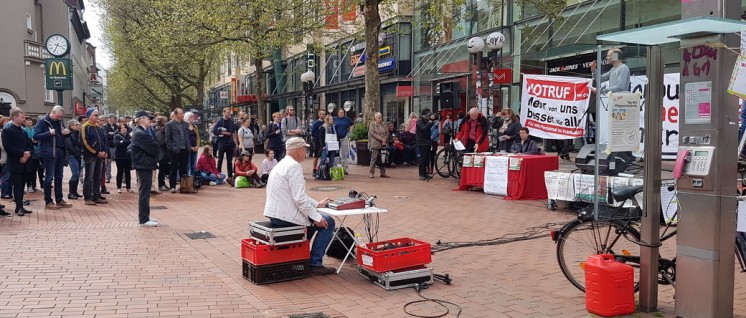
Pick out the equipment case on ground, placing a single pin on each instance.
(397, 279)
(264, 232)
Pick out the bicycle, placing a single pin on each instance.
(616, 232)
(604, 236)
(448, 161)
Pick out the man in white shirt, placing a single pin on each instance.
(288, 204)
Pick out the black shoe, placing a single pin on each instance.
(3, 213)
(6, 197)
(2, 206)
(423, 178)
(322, 270)
(72, 196)
(26, 202)
(22, 212)
(104, 191)
(100, 201)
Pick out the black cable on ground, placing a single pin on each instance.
(531, 233)
(440, 302)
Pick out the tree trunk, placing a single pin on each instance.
(372, 76)
(260, 107)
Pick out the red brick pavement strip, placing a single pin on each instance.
(93, 261)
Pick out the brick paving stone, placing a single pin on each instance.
(91, 261)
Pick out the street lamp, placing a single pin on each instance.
(475, 46)
(307, 79)
(495, 42)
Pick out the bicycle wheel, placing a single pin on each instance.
(442, 163)
(456, 163)
(579, 240)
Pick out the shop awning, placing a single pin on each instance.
(675, 31)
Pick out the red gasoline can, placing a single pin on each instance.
(609, 286)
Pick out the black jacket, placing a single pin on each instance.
(275, 139)
(50, 145)
(144, 150)
(15, 143)
(231, 127)
(160, 138)
(512, 131)
(72, 144)
(111, 130)
(121, 144)
(423, 132)
(175, 141)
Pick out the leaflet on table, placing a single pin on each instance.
(515, 163)
(496, 175)
(468, 161)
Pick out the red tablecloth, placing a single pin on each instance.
(525, 184)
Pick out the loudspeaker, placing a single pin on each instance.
(608, 164)
(449, 87)
(447, 100)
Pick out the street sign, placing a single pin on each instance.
(58, 72)
(97, 90)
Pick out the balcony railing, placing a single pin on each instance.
(35, 50)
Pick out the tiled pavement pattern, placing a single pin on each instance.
(93, 261)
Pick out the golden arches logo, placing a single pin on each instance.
(55, 68)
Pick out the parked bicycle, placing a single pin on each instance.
(448, 161)
(616, 232)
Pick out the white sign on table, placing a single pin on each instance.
(496, 175)
(624, 122)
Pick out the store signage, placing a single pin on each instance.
(92, 77)
(247, 98)
(503, 76)
(404, 91)
(580, 64)
(223, 94)
(58, 74)
(360, 58)
(234, 90)
(384, 65)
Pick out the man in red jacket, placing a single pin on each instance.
(473, 132)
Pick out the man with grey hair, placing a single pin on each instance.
(50, 134)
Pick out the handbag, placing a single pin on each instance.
(242, 182)
(332, 143)
(187, 185)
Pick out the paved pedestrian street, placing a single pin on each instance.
(94, 261)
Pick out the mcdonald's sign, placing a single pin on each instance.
(58, 73)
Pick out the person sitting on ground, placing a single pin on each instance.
(287, 203)
(245, 168)
(525, 145)
(207, 167)
(267, 164)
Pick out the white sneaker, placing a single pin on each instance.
(29, 190)
(150, 223)
(153, 220)
(119, 190)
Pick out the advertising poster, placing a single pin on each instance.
(554, 107)
(670, 133)
(624, 122)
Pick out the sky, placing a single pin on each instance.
(92, 15)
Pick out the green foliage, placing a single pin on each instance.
(359, 132)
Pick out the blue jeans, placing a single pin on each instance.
(74, 164)
(54, 167)
(328, 154)
(218, 179)
(318, 248)
(192, 163)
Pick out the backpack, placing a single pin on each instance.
(447, 129)
(323, 173)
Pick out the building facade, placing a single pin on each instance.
(26, 25)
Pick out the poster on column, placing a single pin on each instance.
(553, 107)
(624, 122)
(670, 114)
(496, 175)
